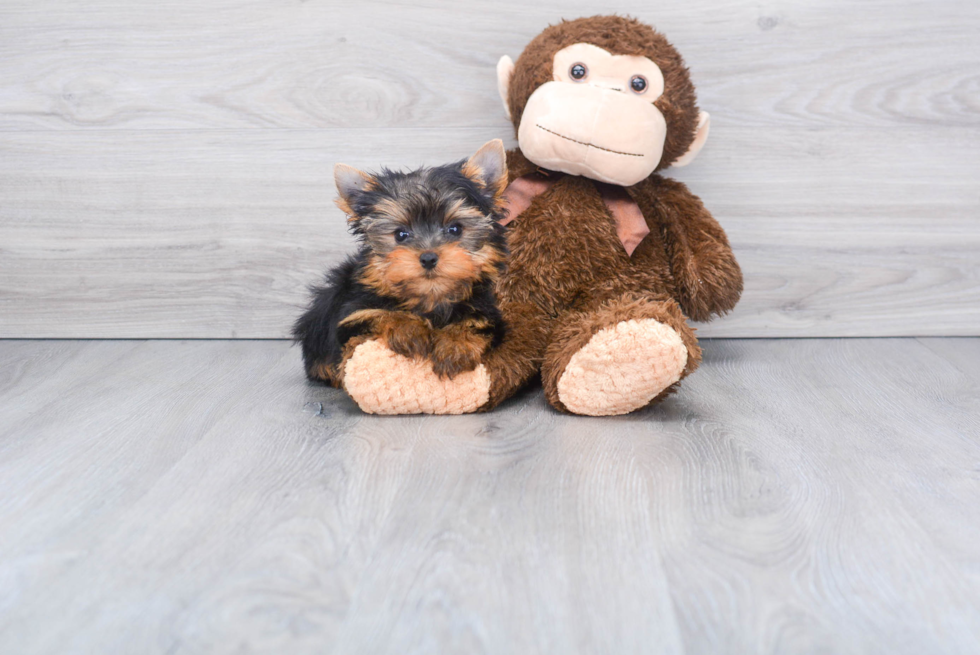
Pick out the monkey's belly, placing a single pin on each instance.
(562, 246)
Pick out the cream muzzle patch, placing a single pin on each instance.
(597, 117)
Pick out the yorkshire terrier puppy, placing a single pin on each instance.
(431, 250)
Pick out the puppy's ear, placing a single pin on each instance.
(488, 168)
(350, 183)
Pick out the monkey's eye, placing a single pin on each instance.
(454, 230)
(401, 236)
(578, 71)
(638, 83)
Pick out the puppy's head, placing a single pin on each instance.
(431, 233)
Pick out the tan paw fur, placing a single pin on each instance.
(622, 368)
(383, 382)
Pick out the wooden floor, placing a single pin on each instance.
(797, 496)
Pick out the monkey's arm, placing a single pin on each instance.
(708, 279)
(519, 355)
(518, 165)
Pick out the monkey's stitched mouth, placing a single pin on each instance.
(589, 145)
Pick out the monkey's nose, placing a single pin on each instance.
(428, 260)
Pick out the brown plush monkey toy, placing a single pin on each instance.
(609, 259)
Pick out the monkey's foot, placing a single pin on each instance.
(622, 368)
(383, 382)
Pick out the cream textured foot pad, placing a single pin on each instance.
(383, 382)
(622, 368)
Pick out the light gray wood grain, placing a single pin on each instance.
(216, 234)
(164, 168)
(963, 354)
(796, 496)
(229, 64)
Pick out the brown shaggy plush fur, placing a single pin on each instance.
(578, 327)
(569, 276)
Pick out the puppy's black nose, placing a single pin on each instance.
(428, 260)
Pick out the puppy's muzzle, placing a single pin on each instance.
(428, 260)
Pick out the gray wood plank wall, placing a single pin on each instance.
(165, 167)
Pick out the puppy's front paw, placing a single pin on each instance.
(456, 351)
(406, 334)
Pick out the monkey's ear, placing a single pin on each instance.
(350, 182)
(700, 136)
(505, 69)
(488, 167)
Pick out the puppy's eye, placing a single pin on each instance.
(638, 83)
(578, 72)
(401, 236)
(454, 230)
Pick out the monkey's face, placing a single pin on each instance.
(597, 118)
(610, 117)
